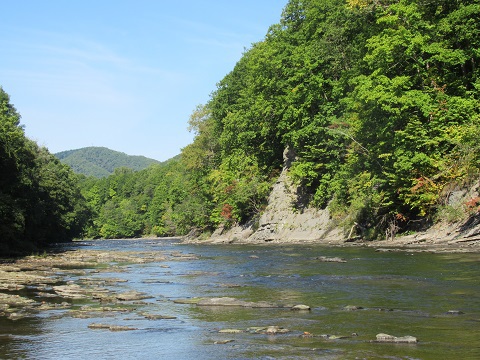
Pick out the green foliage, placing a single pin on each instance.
(378, 99)
(40, 202)
(240, 188)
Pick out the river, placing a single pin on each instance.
(433, 297)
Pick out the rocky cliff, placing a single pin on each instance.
(284, 221)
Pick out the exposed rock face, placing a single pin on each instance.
(282, 220)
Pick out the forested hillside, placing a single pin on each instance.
(378, 99)
(377, 102)
(100, 161)
(40, 202)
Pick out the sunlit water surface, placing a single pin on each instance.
(400, 293)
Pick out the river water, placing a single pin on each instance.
(398, 293)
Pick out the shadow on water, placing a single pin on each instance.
(395, 293)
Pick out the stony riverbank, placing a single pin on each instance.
(35, 284)
(454, 238)
(40, 284)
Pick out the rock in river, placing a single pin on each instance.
(300, 307)
(132, 295)
(393, 339)
(111, 327)
(229, 301)
(330, 259)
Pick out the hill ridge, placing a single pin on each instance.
(99, 161)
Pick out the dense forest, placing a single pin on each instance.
(40, 201)
(377, 99)
(100, 161)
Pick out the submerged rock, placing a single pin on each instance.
(158, 317)
(16, 316)
(394, 339)
(273, 330)
(15, 300)
(111, 327)
(300, 307)
(132, 295)
(229, 301)
(331, 259)
(195, 300)
(454, 312)
(121, 328)
(230, 331)
(71, 291)
(222, 342)
(98, 326)
(334, 337)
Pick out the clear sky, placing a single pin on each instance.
(124, 74)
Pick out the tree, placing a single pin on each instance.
(40, 202)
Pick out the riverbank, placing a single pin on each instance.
(282, 222)
(443, 237)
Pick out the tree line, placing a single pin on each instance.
(378, 99)
(40, 201)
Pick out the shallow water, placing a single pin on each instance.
(400, 293)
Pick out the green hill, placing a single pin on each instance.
(100, 161)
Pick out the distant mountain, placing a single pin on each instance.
(100, 161)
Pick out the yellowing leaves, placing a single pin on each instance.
(358, 3)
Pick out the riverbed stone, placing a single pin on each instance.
(15, 300)
(110, 327)
(222, 342)
(188, 301)
(330, 259)
(14, 316)
(229, 301)
(132, 295)
(71, 291)
(454, 312)
(12, 281)
(121, 328)
(157, 316)
(273, 330)
(231, 331)
(394, 339)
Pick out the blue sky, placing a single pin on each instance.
(124, 74)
